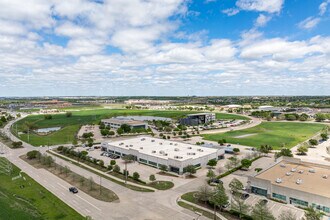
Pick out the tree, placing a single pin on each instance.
(212, 163)
(284, 152)
(116, 169)
(210, 174)
(152, 177)
(203, 194)
(320, 117)
(303, 117)
(246, 163)
(218, 198)
(324, 136)
(265, 149)
(163, 168)
(101, 163)
(312, 142)
(126, 128)
(32, 154)
(236, 150)
(238, 204)
(312, 214)
(3, 119)
(287, 215)
(81, 180)
(261, 212)
(128, 158)
(190, 169)
(113, 162)
(236, 186)
(136, 175)
(17, 144)
(111, 133)
(90, 183)
(90, 142)
(302, 150)
(221, 142)
(234, 161)
(66, 170)
(105, 132)
(120, 131)
(68, 114)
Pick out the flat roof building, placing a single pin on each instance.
(116, 123)
(156, 152)
(296, 182)
(197, 119)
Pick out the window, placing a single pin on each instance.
(152, 163)
(298, 202)
(321, 208)
(143, 160)
(259, 191)
(279, 196)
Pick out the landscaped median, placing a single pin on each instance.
(88, 186)
(117, 177)
(134, 187)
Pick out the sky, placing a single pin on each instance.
(164, 48)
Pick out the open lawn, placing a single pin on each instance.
(272, 133)
(26, 199)
(70, 125)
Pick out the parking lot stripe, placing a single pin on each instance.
(61, 186)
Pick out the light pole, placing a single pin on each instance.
(100, 184)
(125, 172)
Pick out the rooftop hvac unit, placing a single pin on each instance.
(175, 144)
(152, 140)
(131, 145)
(191, 153)
(143, 139)
(178, 157)
(161, 152)
(153, 151)
(325, 176)
(283, 165)
(288, 174)
(299, 181)
(301, 171)
(165, 154)
(189, 147)
(171, 143)
(293, 170)
(126, 146)
(141, 148)
(176, 149)
(311, 170)
(278, 180)
(121, 143)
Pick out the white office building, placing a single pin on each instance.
(155, 152)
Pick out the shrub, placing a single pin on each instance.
(17, 144)
(152, 177)
(33, 154)
(136, 175)
(112, 162)
(116, 169)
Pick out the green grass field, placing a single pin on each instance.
(32, 202)
(71, 125)
(273, 133)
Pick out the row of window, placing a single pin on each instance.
(321, 208)
(298, 202)
(279, 196)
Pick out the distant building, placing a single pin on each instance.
(156, 152)
(296, 182)
(197, 119)
(116, 123)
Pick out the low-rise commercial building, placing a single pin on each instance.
(116, 123)
(156, 152)
(197, 119)
(295, 182)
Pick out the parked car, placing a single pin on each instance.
(244, 196)
(226, 205)
(74, 190)
(215, 180)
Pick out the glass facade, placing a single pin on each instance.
(152, 163)
(279, 196)
(143, 160)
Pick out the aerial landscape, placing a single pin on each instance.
(173, 109)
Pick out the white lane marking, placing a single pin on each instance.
(88, 211)
(74, 201)
(88, 202)
(61, 185)
(63, 194)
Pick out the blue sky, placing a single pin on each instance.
(170, 47)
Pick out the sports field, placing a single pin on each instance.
(70, 125)
(275, 134)
(26, 199)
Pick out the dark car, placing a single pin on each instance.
(245, 196)
(74, 190)
(215, 180)
(225, 206)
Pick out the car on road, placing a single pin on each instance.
(74, 190)
(225, 206)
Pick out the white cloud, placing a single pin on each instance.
(262, 20)
(270, 6)
(230, 11)
(309, 23)
(323, 7)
